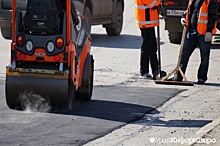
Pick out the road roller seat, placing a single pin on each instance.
(43, 16)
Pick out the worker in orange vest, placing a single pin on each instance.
(147, 17)
(200, 18)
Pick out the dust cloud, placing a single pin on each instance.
(31, 102)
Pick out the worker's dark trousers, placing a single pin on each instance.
(148, 51)
(189, 46)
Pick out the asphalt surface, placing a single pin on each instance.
(111, 107)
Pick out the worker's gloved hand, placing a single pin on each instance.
(208, 36)
(183, 21)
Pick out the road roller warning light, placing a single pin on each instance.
(59, 42)
(50, 57)
(19, 41)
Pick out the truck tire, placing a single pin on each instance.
(88, 15)
(175, 36)
(118, 21)
(6, 32)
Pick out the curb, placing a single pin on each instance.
(204, 130)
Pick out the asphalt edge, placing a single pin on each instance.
(203, 131)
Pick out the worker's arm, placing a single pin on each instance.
(152, 3)
(157, 3)
(212, 15)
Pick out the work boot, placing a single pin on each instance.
(146, 76)
(163, 74)
(201, 81)
(156, 75)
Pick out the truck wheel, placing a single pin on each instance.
(88, 15)
(175, 37)
(118, 22)
(6, 32)
(87, 79)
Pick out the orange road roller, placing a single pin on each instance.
(50, 55)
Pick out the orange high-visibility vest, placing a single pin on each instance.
(203, 18)
(145, 15)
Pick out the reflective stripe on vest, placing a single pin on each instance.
(142, 7)
(203, 14)
(203, 21)
(148, 22)
(146, 7)
(153, 3)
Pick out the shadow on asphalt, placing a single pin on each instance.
(109, 110)
(122, 103)
(122, 41)
(212, 84)
(175, 123)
